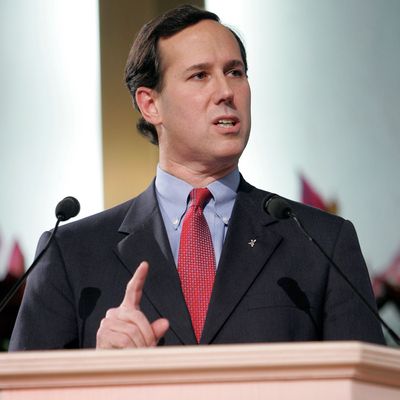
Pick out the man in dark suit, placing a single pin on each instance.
(187, 76)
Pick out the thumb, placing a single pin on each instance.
(160, 327)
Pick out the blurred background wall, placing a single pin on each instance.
(50, 126)
(326, 111)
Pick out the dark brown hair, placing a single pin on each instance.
(143, 67)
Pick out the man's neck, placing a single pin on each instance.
(197, 176)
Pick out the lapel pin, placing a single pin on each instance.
(252, 242)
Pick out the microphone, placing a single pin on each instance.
(67, 208)
(279, 208)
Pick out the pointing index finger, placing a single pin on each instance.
(134, 288)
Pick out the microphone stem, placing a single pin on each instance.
(23, 278)
(394, 336)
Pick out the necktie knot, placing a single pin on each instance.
(200, 196)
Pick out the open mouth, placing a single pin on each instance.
(226, 123)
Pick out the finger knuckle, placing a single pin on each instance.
(124, 341)
(111, 312)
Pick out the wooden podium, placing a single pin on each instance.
(320, 370)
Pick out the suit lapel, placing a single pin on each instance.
(248, 246)
(147, 240)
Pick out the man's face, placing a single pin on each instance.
(204, 103)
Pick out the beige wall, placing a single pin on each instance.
(129, 160)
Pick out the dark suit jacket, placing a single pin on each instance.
(281, 289)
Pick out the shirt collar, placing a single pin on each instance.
(224, 193)
(173, 193)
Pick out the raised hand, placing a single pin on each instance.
(126, 326)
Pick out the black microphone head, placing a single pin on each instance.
(277, 207)
(67, 208)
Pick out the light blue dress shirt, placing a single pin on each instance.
(173, 198)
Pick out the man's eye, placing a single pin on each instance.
(199, 75)
(236, 72)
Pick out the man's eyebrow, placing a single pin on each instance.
(205, 66)
(196, 67)
(234, 63)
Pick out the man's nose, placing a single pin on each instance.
(223, 90)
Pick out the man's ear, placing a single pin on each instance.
(146, 100)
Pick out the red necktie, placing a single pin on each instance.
(196, 260)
